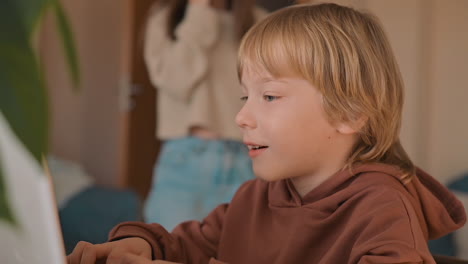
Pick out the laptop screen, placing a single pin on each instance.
(35, 237)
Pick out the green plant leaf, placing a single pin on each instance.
(22, 93)
(67, 42)
(23, 96)
(6, 213)
(33, 11)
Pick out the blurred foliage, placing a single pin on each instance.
(23, 94)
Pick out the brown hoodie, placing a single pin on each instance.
(368, 216)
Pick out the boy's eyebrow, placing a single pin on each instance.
(272, 79)
(267, 80)
(264, 80)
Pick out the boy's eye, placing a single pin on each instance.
(270, 98)
(244, 98)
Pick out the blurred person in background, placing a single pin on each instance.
(191, 53)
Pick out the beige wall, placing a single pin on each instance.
(86, 124)
(448, 79)
(429, 38)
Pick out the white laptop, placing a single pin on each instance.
(36, 238)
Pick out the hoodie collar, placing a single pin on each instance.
(283, 193)
(439, 211)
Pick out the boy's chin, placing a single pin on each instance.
(268, 176)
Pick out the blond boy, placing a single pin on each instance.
(322, 113)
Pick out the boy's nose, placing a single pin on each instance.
(244, 118)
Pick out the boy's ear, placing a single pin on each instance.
(352, 127)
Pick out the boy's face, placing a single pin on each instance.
(285, 128)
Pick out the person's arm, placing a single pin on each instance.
(192, 241)
(176, 66)
(391, 232)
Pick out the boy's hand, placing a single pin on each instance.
(134, 259)
(109, 253)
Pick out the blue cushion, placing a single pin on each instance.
(446, 245)
(460, 184)
(443, 246)
(92, 213)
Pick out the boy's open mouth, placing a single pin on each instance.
(256, 150)
(256, 147)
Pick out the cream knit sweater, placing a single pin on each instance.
(195, 75)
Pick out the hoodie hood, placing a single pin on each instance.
(438, 211)
(441, 211)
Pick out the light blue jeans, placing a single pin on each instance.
(193, 176)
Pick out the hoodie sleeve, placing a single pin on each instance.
(176, 66)
(190, 242)
(389, 231)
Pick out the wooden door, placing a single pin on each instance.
(140, 146)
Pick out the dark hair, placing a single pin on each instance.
(242, 10)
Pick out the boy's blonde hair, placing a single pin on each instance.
(346, 55)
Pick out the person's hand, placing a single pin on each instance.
(111, 252)
(202, 2)
(134, 259)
